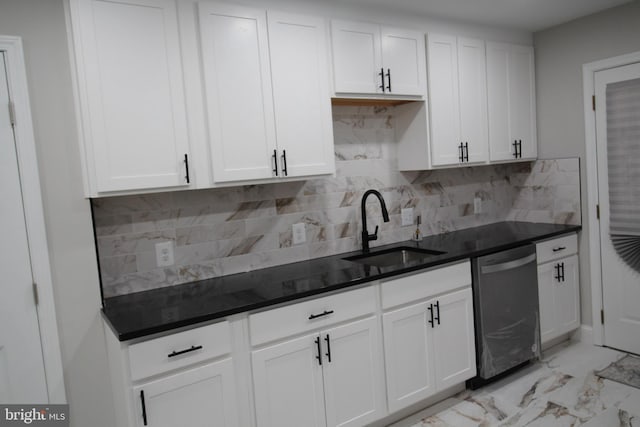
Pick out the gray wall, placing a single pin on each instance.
(41, 24)
(560, 53)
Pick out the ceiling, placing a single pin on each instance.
(527, 15)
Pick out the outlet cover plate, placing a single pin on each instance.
(164, 254)
(477, 205)
(299, 233)
(407, 216)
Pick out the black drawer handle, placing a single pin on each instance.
(559, 248)
(325, 313)
(144, 408)
(189, 350)
(430, 321)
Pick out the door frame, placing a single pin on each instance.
(11, 46)
(593, 223)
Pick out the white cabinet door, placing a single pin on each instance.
(353, 374)
(511, 101)
(444, 100)
(408, 350)
(568, 294)
(547, 300)
(200, 397)
(288, 387)
(302, 99)
(131, 94)
(403, 61)
(357, 60)
(235, 56)
(453, 338)
(472, 87)
(558, 283)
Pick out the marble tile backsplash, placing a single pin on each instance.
(230, 230)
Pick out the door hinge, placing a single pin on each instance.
(598, 211)
(593, 102)
(36, 298)
(12, 113)
(602, 316)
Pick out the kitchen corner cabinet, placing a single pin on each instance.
(267, 93)
(458, 100)
(330, 377)
(369, 59)
(558, 286)
(429, 345)
(511, 102)
(130, 91)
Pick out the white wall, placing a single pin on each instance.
(560, 53)
(41, 24)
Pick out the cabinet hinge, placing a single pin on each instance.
(598, 211)
(12, 113)
(36, 298)
(602, 316)
(593, 102)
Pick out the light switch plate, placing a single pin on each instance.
(164, 254)
(477, 205)
(299, 233)
(407, 216)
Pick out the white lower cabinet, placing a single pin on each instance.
(329, 378)
(429, 346)
(199, 397)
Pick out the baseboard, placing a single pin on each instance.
(583, 334)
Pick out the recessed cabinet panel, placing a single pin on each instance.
(237, 79)
(131, 94)
(498, 102)
(300, 76)
(403, 61)
(521, 87)
(356, 57)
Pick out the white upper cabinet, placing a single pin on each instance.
(131, 98)
(372, 59)
(458, 100)
(511, 96)
(267, 93)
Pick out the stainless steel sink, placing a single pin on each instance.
(394, 256)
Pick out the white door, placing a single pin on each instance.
(287, 379)
(133, 98)
(403, 61)
(352, 371)
(302, 100)
(22, 376)
(453, 338)
(617, 114)
(237, 77)
(444, 100)
(472, 86)
(357, 61)
(200, 397)
(408, 350)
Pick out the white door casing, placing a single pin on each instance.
(37, 352)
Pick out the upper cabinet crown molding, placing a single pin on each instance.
(369, 59)
(131, 98)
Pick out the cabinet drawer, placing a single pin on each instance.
(309, 315)
(557, 248)
(178, 350)
(425, 284)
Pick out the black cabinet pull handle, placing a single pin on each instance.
(557, 274)
(275, 162)
(381, 74)
(144, 408)
(284, 162)
(466, 151)
(328, 353)
(460, 153)
(186, 168)
(324, 313)
(189, 350)
(515, 148)
(430, 321)
(319, 356)
(520, 148)
(389, 79)
(562, 271)
(559, 248)
(438, 309)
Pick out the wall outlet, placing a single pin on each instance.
(164, 254)
(299, 233)
(407, 216)
(477, 205)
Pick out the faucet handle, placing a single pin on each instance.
(374, 236)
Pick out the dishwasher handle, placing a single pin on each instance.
(509, 265)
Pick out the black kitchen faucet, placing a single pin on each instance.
(366, 237)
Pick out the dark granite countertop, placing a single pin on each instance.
(144, 313)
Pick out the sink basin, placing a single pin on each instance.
(394, 256)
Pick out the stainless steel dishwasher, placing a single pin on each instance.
(506, 312)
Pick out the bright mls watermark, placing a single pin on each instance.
(34, 415)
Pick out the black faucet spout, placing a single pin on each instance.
(366, 237)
